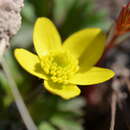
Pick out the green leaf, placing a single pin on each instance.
(24, 33)
(42, 7)
(43, 107)
(28, 12)
(61, 7)
(7, 97)
(64, 123)
(73, 105)
(46, 126)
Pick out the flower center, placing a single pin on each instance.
(59, 66)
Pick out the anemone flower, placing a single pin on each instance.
(64, 66)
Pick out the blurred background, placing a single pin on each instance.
(48, 111)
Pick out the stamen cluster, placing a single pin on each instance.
(59, 66)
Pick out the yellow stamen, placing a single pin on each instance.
(59, 66)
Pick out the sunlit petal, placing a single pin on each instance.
(93, 76)
(45, 36)
(30, 62)
(87, 45)
(65, 91)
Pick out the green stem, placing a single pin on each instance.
(18, 98)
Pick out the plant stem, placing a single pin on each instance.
(18, 98)
(111, 43)
(113, 110)
(109, 46)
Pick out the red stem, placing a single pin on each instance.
(109, 46)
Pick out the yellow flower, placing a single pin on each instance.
(62, 66)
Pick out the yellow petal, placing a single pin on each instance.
(29, 62)
(93, 76)
(45, 36)
(65, 91)
(87, 45)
